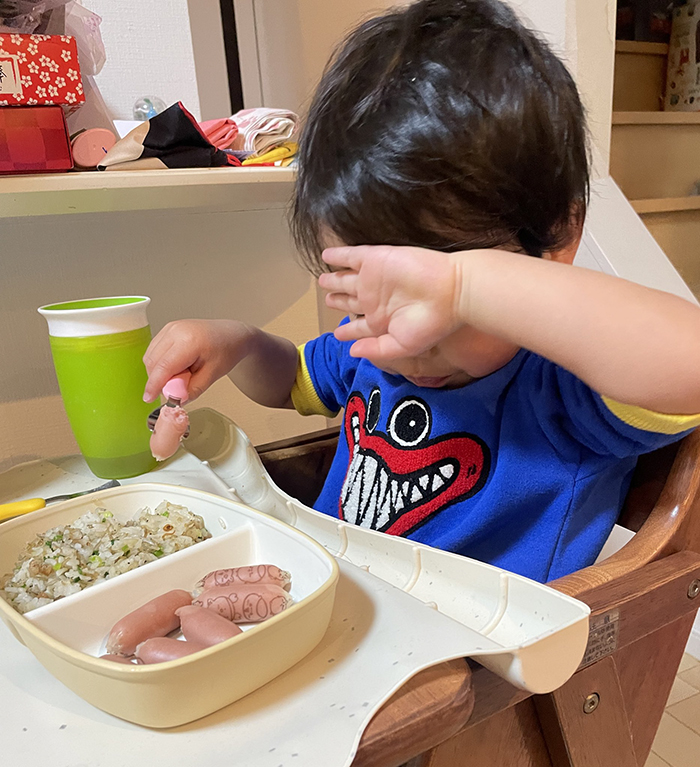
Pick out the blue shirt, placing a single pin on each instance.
(526, 469)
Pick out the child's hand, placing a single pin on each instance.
(409, 298)
(209, 349)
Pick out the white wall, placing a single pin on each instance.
(149, 53)
(285, 44)
(191, 264)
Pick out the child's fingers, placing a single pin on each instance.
(344, 303)
(379, 348)
(162, 370)
(344, 281)
(347, 257)
(353, 330)
(159, 346)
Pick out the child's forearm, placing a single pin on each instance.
(267, 372)
(634, 344)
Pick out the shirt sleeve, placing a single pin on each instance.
(325, 374)
(567, 408)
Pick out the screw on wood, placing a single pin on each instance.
(694, 589)
(591, 703)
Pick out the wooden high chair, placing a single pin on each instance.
(643, 601)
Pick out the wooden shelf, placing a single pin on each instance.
(214, 189)
(649, 49)
(666, 205)
(656, 118)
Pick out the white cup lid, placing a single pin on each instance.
(96, 316)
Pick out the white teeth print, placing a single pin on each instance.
(368, 472)
(368, 514)
(394, 490)
(356, 429)
(383, 486)
(384, 513)
(351, 504)
(352, 475)
(371, 497)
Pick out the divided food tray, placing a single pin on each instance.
(533, 636)
(68, 635)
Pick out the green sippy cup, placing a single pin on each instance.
(98, 346)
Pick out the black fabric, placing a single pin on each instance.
(175, 138)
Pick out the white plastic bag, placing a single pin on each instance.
(84, 26)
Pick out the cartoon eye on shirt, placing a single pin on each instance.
(396, 481)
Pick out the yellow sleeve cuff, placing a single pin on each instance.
(304, 396)
(648, 420)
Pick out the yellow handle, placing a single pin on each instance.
(8, 510)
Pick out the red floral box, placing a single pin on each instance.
(39, 69)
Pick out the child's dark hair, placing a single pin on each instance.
(445, 124)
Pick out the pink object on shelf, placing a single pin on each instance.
(90, 147)
(262, 128)
(221, 133)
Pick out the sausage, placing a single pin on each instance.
(249, 574)
(205, 627)
(119, 659)
(154, 619)
(163, 649)
(168, 432)
(248, 603)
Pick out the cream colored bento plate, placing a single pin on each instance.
(67, 636)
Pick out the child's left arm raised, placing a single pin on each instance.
(631, 343)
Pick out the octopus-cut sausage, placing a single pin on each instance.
(249, 574)
(245, 603)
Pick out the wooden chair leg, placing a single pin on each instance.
(511, 738)
(585, 722)
(646, 685)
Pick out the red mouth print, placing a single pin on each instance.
(396, 482)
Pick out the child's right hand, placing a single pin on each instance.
(209, 349)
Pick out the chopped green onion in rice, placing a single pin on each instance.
(94, 548)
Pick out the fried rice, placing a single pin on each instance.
(95, 548)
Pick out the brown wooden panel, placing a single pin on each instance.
(640, 80)
(427, 710)
(678, 235)
(650, 598)
(492, 694)
(300, 466)
(647, 670)
(655, 160)
(510, 739)
(578, 739)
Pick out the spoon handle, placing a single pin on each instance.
(17, 508)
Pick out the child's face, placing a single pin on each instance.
(464, 356)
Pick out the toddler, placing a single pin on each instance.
(495, 398)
